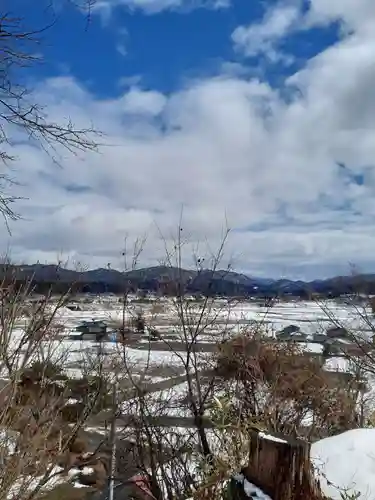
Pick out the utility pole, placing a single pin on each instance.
(112, 439)
(112, 430)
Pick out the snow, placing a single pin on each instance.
(29, 483)
(98, 430)
(343, 463)
(73, 472)
(166, 402)
(348, 462)
(8, 441)
(71, 401)
(79, 485)
(268, 437)
(87, 471)
(311, 317)
(337, 364)
(311, 347)
(250, 489)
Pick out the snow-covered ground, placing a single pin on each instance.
(346, 463)
(311, 317)
(343, 464)
(221, 319)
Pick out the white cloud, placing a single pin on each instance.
(105, 7)
(139, 102)
(222, 147)
(121, 49)
(263, 37)
(130, 81)
(122, 41)
(353, 15)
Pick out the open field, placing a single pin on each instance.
(222, 319)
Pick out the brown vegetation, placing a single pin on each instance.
(285, 389)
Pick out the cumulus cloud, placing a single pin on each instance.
(263, 37)
(352, 15)
(140, 102)
(295, 179)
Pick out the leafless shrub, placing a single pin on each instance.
(37, 393)
(354, 347)
(283, 389)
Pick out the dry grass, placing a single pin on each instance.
(281, 386)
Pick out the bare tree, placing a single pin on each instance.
(165, 455)
(20, 112)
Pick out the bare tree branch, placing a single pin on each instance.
(20, 112)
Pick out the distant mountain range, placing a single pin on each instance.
(170, 280)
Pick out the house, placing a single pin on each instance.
(291, 333)
(319, 337)
(73, 307)
(92, 330)
(333, 347)
(338, 332)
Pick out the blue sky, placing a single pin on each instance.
(163, 49)
(255, 114)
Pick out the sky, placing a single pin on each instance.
(252, 116)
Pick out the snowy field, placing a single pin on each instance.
(220, 320)
(153, 363)
(311, 317)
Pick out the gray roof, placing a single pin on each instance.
(96, 322)
(290, 329)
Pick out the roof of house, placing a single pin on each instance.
(337, 331)
(94, 322)
(291, 331)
